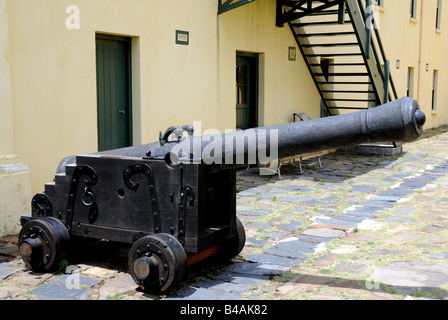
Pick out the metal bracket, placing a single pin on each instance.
(186, 196)
(41, 205)
(145, 169)
(79, 172)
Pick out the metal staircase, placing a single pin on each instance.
(342, 50)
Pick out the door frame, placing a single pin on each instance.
(129, 117)
(256, 86)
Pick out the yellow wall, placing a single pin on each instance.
(6, 125)
(416, 42)
(53, 71)
(15, 180)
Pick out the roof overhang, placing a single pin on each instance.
(226, 5)
(289, 10)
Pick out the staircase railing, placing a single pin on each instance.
(374, 54)
(368, 37)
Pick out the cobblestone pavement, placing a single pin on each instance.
(361, 227)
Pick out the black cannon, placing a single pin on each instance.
(174, 201)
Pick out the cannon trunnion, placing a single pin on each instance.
(174, 214)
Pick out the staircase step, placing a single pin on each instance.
(339, 64)
(343, 44)
(327, 13)
(347, 91)
(343, 74)
(351, 100)
(326, 34)
(315, 23)
(333, 54)
(348, 108)
(343, 82)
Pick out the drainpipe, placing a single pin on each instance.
(420, 53)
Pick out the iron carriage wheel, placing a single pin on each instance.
(157, 263)
(43, 242)
(232, 247)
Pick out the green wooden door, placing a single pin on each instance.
(246, 92)
(113, 92)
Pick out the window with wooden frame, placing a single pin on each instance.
(438, 14)
(380, 3)
(435, 84)
(413, 9)
(410, 83)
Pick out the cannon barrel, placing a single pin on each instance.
(397, 121)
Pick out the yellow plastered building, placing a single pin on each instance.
(414, 38)
(78, 76)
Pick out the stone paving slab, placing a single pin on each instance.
(191, 293)
(31, 279)
(60, 292)
(116, 286)
(272, 259)
(7, 270)
(407, 277)
(260, 269)
(75, 280)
